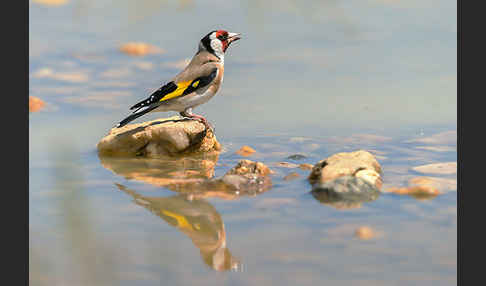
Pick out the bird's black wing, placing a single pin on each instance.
(156, 96)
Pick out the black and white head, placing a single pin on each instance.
(216, 42)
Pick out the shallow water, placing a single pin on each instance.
(309, 77)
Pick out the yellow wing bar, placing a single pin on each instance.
(181, 86)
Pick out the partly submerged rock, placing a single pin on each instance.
(424, 188)
(418, 192)
(161, 137)
(345, 180)
(360, 164)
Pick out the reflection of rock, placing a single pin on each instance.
(345, 192)
(170, 136)
(345, 180)
(197, 219)
(246, 178)
(163, 171)
(35, 104)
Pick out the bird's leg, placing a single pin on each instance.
(188, 114)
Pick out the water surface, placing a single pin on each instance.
(308, 77)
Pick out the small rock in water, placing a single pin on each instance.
(441, 184)
(291, 176)
(365, 233)
(296, 157)
(306, 166)
(347, 164)
(139, 49)
(423, 188)
(161, 137)
(418, 192)
(437, 168)
(35, 104)
(345, 180)
(245, 151)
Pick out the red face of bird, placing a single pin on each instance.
(218, 41)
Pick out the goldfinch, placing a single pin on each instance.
(193, 86)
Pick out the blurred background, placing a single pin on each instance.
(303, 71)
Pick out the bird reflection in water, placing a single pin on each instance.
(197, 219)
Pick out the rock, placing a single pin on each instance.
(423, 188)
(250, 168)
(35, 104)
(345, 180)
(347, 164)
(370, 176)
(139, 49)
(291, 176)
(365, 233)
(441, 184)
(437, 168)
(296, 157)
(418, 192)
(161, 137)
(306, 166)
(245, 151)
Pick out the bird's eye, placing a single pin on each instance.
(222, 37)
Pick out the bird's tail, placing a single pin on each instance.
(135, 115)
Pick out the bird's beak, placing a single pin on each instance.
(233, 37)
